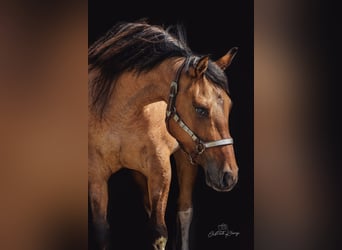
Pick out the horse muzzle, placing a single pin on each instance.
(223, 182)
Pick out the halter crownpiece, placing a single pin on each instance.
(171, 112)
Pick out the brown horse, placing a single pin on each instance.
(150, 97)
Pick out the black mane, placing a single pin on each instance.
(137, 47)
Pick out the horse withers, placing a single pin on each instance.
(150, 97)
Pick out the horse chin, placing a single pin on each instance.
(217, 187)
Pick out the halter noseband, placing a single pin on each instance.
(171, 112)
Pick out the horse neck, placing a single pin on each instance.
(134, 91)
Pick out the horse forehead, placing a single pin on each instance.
(208, 90)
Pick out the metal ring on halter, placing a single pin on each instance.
(200, 148)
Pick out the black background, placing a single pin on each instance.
(212, 28)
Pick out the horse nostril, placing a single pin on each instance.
(227, 180)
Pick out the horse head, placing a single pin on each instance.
(200, 119)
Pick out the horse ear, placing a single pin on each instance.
(225, 60)
(199, 69)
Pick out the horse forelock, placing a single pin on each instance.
(217, 76)
(214, 73)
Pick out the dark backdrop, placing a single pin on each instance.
(212, 28)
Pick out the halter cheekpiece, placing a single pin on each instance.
(171, 113)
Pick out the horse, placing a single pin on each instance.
(150, 98)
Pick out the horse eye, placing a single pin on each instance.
(203, 112)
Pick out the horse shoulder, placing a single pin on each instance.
(158, 132)
(103, 145)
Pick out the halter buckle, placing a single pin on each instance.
(174, 87)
